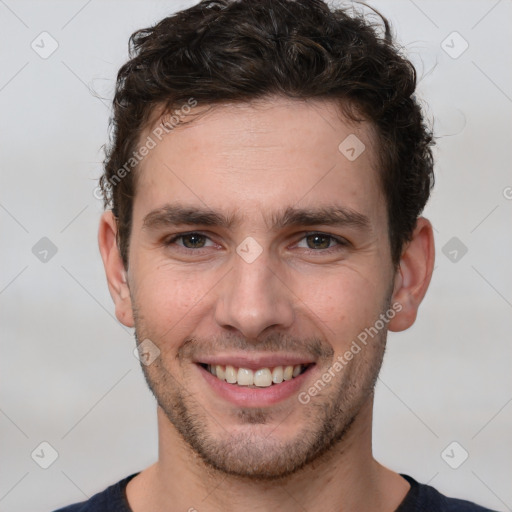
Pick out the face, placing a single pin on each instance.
(259, 254)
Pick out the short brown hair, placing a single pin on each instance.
(240, 50)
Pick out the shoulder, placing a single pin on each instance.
(424, 498)
(112, 499)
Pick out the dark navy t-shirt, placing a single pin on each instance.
(420, 498)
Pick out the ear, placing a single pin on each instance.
(413, 276)
(114, 268)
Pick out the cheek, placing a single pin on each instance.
(344, 305)
(170, 302)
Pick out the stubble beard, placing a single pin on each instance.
(327, 418)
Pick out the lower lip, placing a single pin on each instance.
(243, 396)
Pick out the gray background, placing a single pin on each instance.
(68, 375)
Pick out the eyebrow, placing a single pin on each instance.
(175, 214)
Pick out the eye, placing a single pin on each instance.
(191, 241)
(321, 241)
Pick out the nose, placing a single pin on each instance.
(253, 298)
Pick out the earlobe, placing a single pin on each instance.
(413, 276)
(114, 269)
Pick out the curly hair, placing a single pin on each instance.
(222, 51)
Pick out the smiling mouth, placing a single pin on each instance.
(260, 378)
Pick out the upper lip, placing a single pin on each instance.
(256, 361)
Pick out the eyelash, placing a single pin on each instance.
(340, 242)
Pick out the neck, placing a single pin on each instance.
(347, 478)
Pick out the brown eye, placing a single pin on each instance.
(190, 241)
(193, 241)
(319, 241)
(322, 242)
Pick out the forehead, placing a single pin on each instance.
(261, 157)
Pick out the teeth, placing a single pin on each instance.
(263, 378)
(277, 375)
(220, 372)
(245, 377)
(231, 374)
(288, 373)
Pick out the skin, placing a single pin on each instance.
(252, 161)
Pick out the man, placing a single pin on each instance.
(266, 176)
